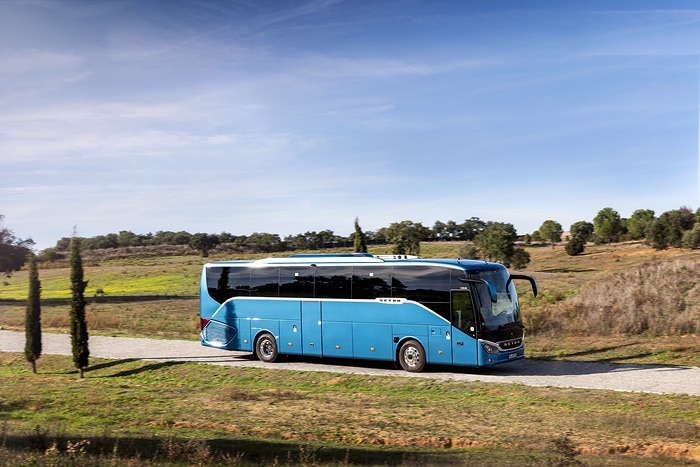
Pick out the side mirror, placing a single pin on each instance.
(527, 278)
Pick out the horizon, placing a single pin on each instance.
(287, 117)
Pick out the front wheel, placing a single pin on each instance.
(266, 348)
(412, 356)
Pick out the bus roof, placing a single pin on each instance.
(347, 259)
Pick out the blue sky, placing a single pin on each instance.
(289, 116)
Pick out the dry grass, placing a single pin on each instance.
(625, 290)
(656, 299)
(266, 412)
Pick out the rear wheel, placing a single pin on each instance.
(412, 356)
(266, 348)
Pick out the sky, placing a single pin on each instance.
(293, 116)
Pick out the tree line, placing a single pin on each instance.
(678, 228)
(270, 242)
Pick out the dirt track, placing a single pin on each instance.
(636, 378)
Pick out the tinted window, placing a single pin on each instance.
(297, 281)
(333, 281)
(225, 282)
(264, 281)
(428, 285)
(217, 283)
(370, 282)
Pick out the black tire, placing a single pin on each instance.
(412, 356)
(266, 348)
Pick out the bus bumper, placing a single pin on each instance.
(489, 359)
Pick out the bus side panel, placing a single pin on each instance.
(372, 341)
(337, 339)
(275, 316)
(311, 328)
(336, 330)
(411, 330)
(265, 325)
(246, 340)
(290, 337)
(268, 309)
(440, 345)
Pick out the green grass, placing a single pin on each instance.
(166, 276)
(259, 417)
(151, 413)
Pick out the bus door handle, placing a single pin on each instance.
(460, 343)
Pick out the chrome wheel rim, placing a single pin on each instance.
(266, 349)
(411, 356)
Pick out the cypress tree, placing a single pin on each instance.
(360, 238)
(32, 318)
(78, 325)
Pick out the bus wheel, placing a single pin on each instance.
(266, 348)
(412, 356)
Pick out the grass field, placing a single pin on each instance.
(169, 412)
(146, 413)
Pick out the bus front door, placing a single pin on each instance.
(311, 328)
(464, 343)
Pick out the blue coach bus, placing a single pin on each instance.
(396, 308)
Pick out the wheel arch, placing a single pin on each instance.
(402, 340)
(260, 332)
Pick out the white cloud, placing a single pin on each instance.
(16, 62)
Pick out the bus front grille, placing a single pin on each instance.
(511, 344)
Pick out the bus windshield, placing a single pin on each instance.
(506, 309)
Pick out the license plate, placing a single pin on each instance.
(512, 356)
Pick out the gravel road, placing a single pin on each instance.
(616, 377)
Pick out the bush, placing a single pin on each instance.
(521, 258)
(691, 238)
(659, 299)
(469, 251)
(575, 246)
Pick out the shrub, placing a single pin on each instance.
(575, 246)
(691, 238)
(521, 258)
(469, 251)
(656, 299)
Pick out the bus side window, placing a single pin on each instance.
(333, 282)
(226, 282)
(463, 312)
(297, 281)
(264, 281)
(370, 282)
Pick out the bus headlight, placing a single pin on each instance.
(489, 347)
